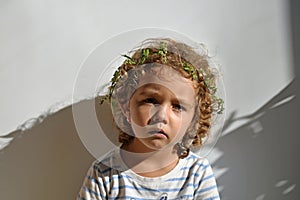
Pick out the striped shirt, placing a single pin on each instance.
(192, 178)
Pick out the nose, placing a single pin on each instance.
(158, 114)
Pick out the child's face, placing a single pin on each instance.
(161, 109)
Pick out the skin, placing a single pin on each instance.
(160, 112)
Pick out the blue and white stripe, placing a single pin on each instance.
(191, 179)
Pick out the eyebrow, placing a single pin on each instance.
(146, 90)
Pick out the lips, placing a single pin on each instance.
(158, 132)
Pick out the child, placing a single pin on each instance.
(163, 100)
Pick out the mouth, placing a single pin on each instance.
(158, 133)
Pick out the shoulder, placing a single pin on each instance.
(109, 161)
(199, 166)
(194, 160)
(205, 182)
(98, 177)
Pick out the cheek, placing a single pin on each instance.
(178, 123)
(185, 121)
(140, 115)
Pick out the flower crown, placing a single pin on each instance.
(162, 55)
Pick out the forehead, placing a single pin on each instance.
(168, 78)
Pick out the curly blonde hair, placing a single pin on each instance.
(185, 60)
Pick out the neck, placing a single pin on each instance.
(149, 164)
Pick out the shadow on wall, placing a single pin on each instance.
(50, 162)
(262, 155)
(45, 162)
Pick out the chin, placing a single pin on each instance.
(157, 147)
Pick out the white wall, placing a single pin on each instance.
(43, 44)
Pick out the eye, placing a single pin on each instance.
(150, 100)
(178, 107)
